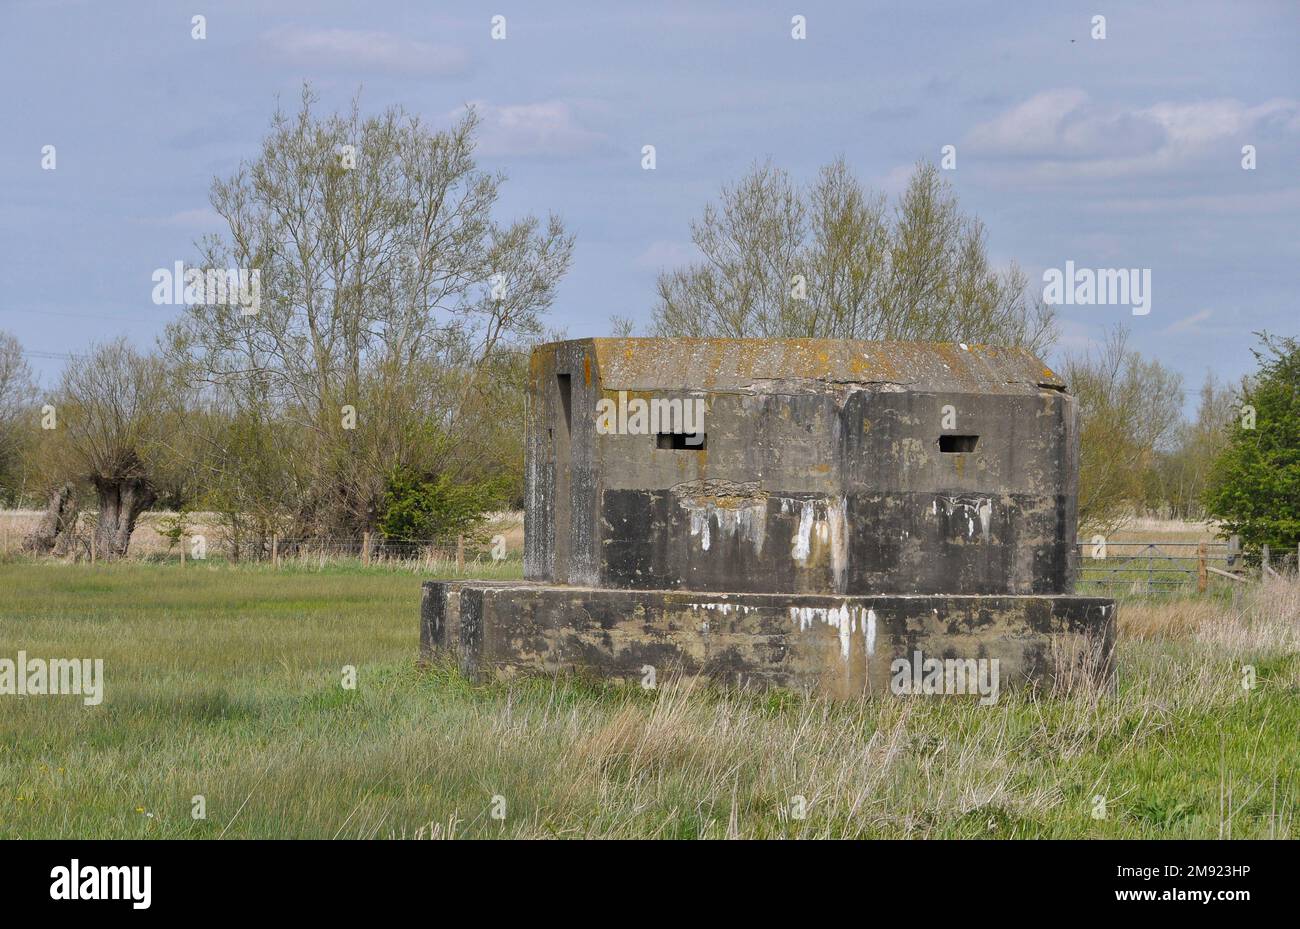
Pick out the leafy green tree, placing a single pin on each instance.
(252, 471)
(17, 391)
(436, 508)
(1254, 486)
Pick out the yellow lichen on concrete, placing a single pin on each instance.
(710, 364)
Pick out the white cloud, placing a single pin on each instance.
(1065, 134)
(1077, 337)
(1189, 323)
(895, 182)
(200, 217)
(665, 254)
(547, 128)
(1285, 200)
(1028, 128)
(353, 48)
(1192, 127)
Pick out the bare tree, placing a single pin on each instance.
(18, 437)
(1178, 482)
(387, 288)
(834, 261)
(112, 415)
(1130, 409)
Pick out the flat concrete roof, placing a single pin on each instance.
(759, 364)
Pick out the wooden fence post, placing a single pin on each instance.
(365, 547)
(460, 553)
(1202, 574)
(1265, 569)
(275, 551)
(182, 551)
(92, 548)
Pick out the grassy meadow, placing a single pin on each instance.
(225, 681)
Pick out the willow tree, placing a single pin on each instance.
(387, 288)
(105, 436)
(834, 260)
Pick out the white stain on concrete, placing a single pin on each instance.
(837, 530)
(827, 522)
(700, 527)
(846, 619)
(726, 609)
(748, 521)
(801, 545)
(974, 511)
(846, 624)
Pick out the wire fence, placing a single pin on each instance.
(1170, 567)
(1103, 566)
(463, 553)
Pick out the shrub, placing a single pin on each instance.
(437, 508)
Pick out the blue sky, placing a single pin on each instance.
(1123, 152)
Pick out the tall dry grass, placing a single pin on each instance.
(1256, 617)
(225, 681)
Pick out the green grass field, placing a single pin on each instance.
(226, 682)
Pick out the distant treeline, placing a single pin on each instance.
(351, 355)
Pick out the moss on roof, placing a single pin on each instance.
(752, 364)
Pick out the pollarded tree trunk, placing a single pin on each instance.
(121, 501)
(56, 522)
(68, 538)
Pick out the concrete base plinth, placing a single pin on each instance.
(834, 645)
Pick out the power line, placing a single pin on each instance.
(57, 356)
(112, 319)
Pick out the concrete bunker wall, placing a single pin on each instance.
(810, 493)
(831, 522)
(561, 483)
(842, 647)
(803, 485)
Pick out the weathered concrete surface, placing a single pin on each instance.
(848, 504)
(836, 646)
(824, 469)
